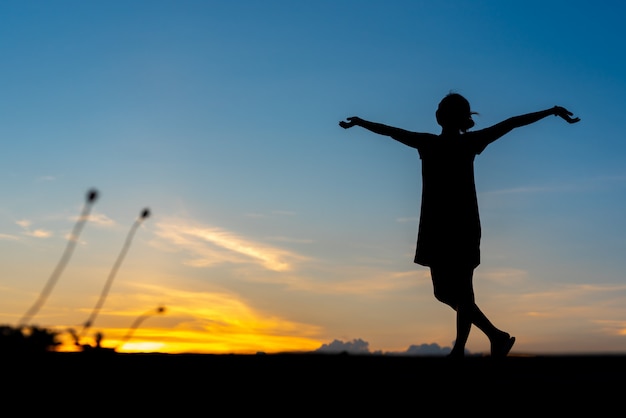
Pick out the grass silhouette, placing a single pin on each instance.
(29, 338)
(139, 321)
(118, 262)
(92, 195)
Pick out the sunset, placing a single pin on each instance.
(270, 228)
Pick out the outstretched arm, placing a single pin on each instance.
(401, 135)
(498, 130)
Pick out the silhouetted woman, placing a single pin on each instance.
(448, 240)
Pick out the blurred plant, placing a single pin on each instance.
(92, 195)
(145, 213)
(159, 310)
(27, 339)
(99, 336)
(97, 347)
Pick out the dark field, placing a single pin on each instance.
(337, 384)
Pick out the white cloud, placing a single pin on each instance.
(24, 223)
(39, 233)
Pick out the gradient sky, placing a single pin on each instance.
(273, 229)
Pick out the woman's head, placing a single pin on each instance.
(454, 113)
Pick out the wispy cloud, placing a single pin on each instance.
(585, 184)
(24, 223)
(283, 212)
(361, 281)
(99, 219)
(210, 245)
(272, 213)
(291, 240)
(589, 301)
(408, 219)
(505, 275)
(39, 233)
(612, 327)
(254, 215)
(45, 178)
(7, 237)
(616, 178)
(529, 189)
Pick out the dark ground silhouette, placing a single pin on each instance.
(300, 384)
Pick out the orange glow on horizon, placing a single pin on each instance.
(196, 322)
(198, 342)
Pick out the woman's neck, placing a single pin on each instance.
(450, 132)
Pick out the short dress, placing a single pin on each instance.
(449, 230)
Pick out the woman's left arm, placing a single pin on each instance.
(500, 129)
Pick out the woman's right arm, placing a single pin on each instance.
(401, 135)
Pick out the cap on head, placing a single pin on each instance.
(454, 112)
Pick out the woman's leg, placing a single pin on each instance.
(454, 287)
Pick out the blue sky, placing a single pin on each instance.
(274, 229)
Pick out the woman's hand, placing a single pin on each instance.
(351, 122)
(564, 114)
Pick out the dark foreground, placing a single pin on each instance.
(334, 384)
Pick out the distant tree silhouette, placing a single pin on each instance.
(27, 339)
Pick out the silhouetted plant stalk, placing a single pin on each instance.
(138, 322)
(86, 347)
(92, 195)
(107, 286)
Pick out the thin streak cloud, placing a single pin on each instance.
(527, 189)
(585, 185)
(98, 219)
(291, 240)
(283, 212)
(571, 301)
(210, 245)
(409, 219)
(46, 178)
(364, 282)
